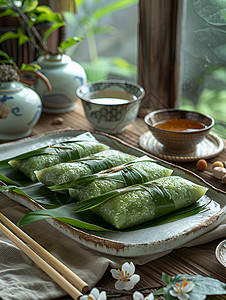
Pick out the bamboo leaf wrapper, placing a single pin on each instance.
(66, 172)
(140, 203)
(81, 146)
(139, 171)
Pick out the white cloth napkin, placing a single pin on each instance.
(21, 279)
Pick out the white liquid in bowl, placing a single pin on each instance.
(109, 101)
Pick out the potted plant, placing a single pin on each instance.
(53, 63)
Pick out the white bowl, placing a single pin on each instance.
(111, 105)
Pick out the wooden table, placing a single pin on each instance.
(195, 260)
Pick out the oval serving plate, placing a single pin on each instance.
(126, 244)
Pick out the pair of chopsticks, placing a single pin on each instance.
(66, 279)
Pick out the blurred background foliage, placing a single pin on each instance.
(203, 81)
(109, 30)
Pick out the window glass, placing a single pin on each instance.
(203, 59)
(109, 29)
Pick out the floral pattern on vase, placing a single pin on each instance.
(20, 110)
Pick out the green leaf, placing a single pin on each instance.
(203, 286)
(112, 7)
(4, 54)
(8, 12)
(53, 18)
(22, 38)
(8, 35)
(27, 67)
(43, 9)
(66, 215)
(213, 12)
(70, 42)
(30, 6)
(51, 29)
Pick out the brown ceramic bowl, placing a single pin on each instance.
(179, 141)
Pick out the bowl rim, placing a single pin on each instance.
(78, 90)
(207, 128)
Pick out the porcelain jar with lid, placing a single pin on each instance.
(20, 109)
(65, 76)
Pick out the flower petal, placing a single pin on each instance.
(183, 296)
(115, 273)
(132, 270)
(135, 279)
(138, 296)
(94, 293)
(102, 296)
(126, 268)
(119, 285)
(84, 297)
(173, 293)
(149, 297)
(188, 287)
(128, 285)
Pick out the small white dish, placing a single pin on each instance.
(220, 253)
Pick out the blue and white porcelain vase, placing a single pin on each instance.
(20, 110)
(65, 76)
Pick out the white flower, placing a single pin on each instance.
(138, 296)
(180, 291)
(126, 279)
(94, 295)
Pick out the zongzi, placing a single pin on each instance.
(137, 204)
(78, 147)
(66, 172)
(140, 170)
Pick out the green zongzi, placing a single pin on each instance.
(78, 147)
(140, 170)
(66, 172)
(137, 204)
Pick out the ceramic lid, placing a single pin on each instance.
(53, 60)
(10, 87)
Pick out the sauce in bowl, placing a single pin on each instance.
(179, 125)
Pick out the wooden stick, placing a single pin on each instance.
(60, 267)
(60, 280)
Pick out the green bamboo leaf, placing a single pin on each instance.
(66, 215)
(88, 220)
(7, 180)
(95, 201)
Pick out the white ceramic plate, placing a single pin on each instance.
(135, 243)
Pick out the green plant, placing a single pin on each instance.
(29, 13)
(204, 89)
(88, 23)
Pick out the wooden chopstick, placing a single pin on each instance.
(61, 268)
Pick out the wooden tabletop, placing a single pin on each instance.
(194, 260)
